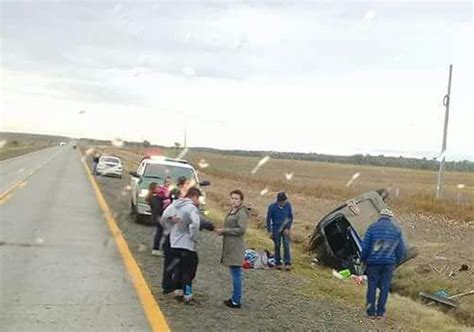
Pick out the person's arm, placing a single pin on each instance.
(269, 219)
(242, 219)
(206, 224)
(400, 251)
(167, 217)
(194, 225)
(366, 245)
(290, 217)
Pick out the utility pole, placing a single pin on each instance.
(446, 102)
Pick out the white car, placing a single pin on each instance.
(109, 165)
(156, 169)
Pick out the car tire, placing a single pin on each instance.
(134, 213)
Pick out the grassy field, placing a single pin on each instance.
(411, 190)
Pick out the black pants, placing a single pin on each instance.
(158, 236)
(168, 268)
(186, 263)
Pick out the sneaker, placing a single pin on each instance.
(157, 253)
(229, 303)
(383, 317)
(178, 295)
(278, 267)
(288, 268)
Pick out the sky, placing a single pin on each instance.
(323, 76)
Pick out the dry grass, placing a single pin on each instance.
(12, 152)
(411, 190)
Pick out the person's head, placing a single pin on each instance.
(181, 181)
(281, 198)
(193, 194)
(236, 198)
(167, 181)
(151, 190)
(383, 193)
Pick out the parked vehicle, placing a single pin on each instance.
(156, 169)
(109, 166)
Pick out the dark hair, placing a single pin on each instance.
(237, 192)
(193, 192)
(383, 193)
(182, 181)
(281, 197)
(151, 191)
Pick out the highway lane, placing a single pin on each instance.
(59, 267)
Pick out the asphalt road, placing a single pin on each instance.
(59, 267)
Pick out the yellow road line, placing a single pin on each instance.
(152, 310)
(9, 192)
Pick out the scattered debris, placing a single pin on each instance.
(464, 267)
(203, 164)
(288, 176)
(439, 298)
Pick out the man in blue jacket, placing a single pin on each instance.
(279, 221)
(382, 250)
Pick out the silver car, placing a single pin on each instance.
(109, 166)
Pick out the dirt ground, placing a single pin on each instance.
(272, 299)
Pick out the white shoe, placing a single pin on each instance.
(157, 253)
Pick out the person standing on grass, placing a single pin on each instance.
(383, 249)
(233, 247)
(159, 199)
(279, 222)
(95, 161)
(183, 242)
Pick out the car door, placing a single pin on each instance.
(135, 183)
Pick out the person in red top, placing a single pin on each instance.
(161, 195)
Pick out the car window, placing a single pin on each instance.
(162, 171)
(110, 160)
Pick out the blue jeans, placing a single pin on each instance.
(278, 238)
(378, 276)
(236, 273)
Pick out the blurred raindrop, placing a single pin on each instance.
(183, 153)
(39, 241)
(264, 192)
(117, 8)
(90, 151)
(289, 176)
(188, 71)
(261, 162)
(141, 247)
(174, 262)
(203, 164)
(127, 187)
(353, 178)
(2, 143)
(370, 16)
(461, 186)
(441, 155)
(118, 143)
